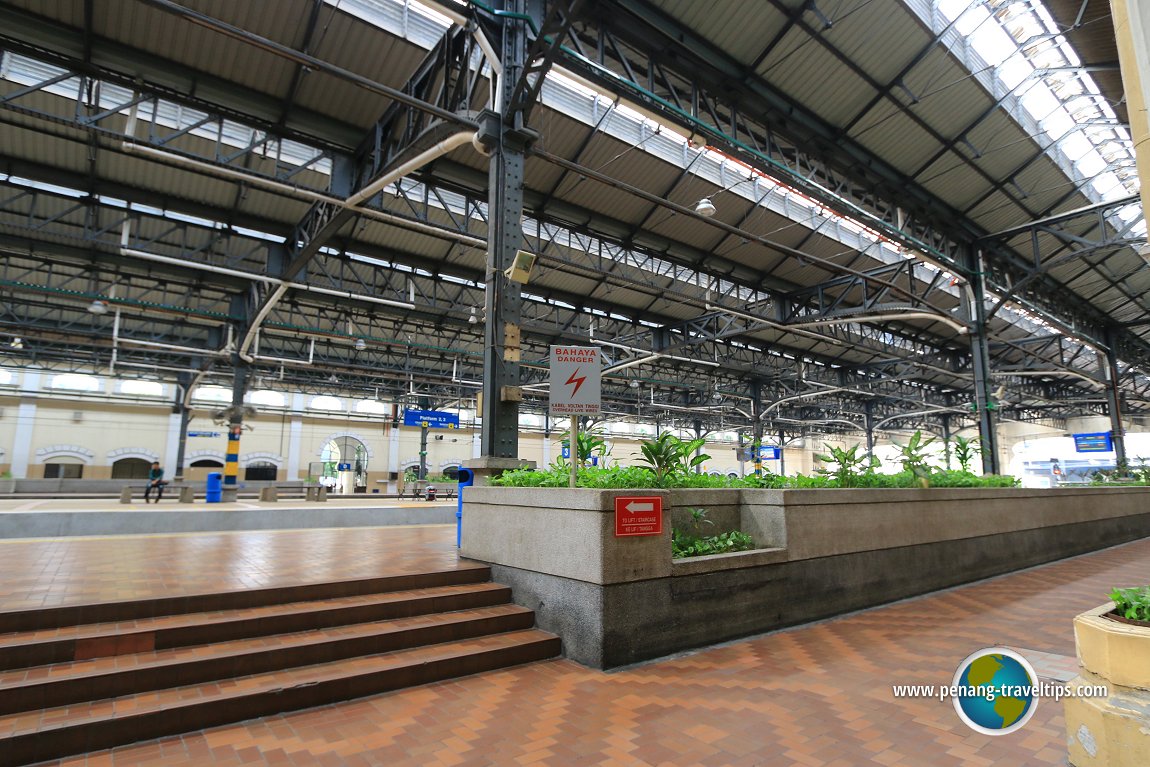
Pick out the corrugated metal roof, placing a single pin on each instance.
(742, 27)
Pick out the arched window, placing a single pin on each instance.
(142, 388)
(260, 470)
(131, 468)
(268, 398)
(207, 463)
(325, 402)
(373, 407)
(212, 394)
(63, 468)
(76, 382)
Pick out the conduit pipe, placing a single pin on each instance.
(295, 191)
(961, 328)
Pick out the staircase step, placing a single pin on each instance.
(71, 643)
(82, 727)
(106, 612)
(67, 683)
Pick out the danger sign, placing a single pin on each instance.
(576, 373)
(638, 515)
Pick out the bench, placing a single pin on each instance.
(187, 492)
(314, 493)
(447, 491)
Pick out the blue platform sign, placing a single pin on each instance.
(432, 419)
(768, 453)
(1099, 442)
(343, 467)
(566, 451)
(204, 434)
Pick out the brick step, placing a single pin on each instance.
(52, 733)
(107, 612)
(74, 643)
(64, 684)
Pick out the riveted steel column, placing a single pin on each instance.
(980, 354)
(1114, 402)
(757, 427)
(504, 136)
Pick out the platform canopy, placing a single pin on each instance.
(810, 215)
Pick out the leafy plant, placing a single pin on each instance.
(914, 457)
(965, 449)
(698, 519)
(847, 465)
(685, 545)
(668, 457)
(588, 442)
(1132, 604)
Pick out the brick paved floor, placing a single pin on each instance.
(817, 696)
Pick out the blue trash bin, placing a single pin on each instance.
(466, 479)
(215, 487)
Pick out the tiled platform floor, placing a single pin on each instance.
(818, 696)
(67, 571)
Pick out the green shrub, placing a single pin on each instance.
(1132, 604)
(670, 459)
(619, 477)
(686, 545)
(847, 466)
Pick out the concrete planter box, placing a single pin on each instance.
(823, 552)
(1110, 731)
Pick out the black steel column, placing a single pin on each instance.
(980, 355)
(506, 138)
(946, 438)
(757, 427)
(1114, 402)
(183, 395)
(868, 424)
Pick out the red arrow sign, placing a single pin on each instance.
(641, 515)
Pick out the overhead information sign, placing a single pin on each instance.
(1100, 442)
(576, 380)
(432, 419)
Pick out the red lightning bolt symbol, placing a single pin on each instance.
(577, 380)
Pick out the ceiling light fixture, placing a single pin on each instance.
(473, 318)
(98, 307)
(705, 207)
(360, 344)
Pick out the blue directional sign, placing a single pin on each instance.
(432, 419)
(343, 467)
(1099, 442)
(204, 434)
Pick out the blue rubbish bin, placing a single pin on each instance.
(215, 487)
(466, 479)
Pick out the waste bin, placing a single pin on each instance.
(215, 487)
(429, 494)
(466, 479)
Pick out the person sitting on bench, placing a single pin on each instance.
(155, 482)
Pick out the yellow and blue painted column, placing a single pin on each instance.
(232, 459)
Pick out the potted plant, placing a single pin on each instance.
(1113, 644)
(7, 483)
